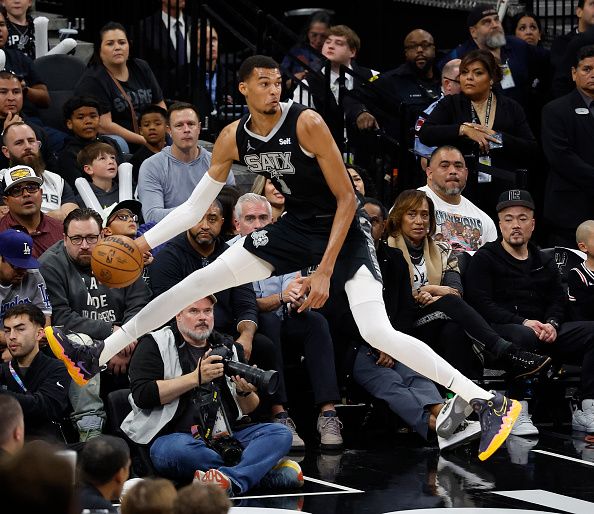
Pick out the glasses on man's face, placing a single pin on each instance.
(423, 46)
(17, 191)
(125, 217)
(77, 240)
(457, 81)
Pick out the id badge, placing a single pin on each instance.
(220, 427)
(507, 81)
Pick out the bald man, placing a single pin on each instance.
(580, 280)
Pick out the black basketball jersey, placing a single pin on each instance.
(279, 157)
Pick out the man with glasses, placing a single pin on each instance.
(23, 196)
(167, 179)
(82, 304)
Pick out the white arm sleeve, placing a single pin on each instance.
(187, 214)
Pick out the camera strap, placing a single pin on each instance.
(213, 419)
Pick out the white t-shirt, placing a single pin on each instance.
(52, 189)
(463, 226)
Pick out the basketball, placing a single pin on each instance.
(116, 261)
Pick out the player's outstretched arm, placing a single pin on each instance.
(315, 137)
(191, 211)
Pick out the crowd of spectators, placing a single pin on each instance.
(487, 119)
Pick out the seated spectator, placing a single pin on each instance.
(362, 181)
(518, 291)
(98, 161)
(82, 304)
(411, 396)
(23, 196)
(167, 179)
(153, 127)
(280, 297)
(164, 414)
(12, 426)
(20, 280)
(197, 498)
(458, 222)
(19, 22)
(81, 115)
(580, 280)
(481, 115)
(124, 86)
(228, 198)
(151, 496)
(442, 315)
(264, 187)
(104, 467)
(21, 146)
(38, 382)
(11, 111)
(526, 26)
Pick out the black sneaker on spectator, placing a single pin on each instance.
(521, 363)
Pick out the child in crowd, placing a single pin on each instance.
(98, 161)
(153, 127)
(580, 280)
(81, 115)
(21, 31)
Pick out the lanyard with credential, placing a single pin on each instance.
(475, 118)
(17, 379)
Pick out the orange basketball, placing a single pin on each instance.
(116, 261)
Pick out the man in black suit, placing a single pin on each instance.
(567, 136)
(164, 39)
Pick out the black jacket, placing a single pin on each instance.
(500, 290)
(567, 140)
(178, 259)
(46, 400)
(443, 125)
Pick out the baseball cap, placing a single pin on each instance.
(212, 298)
(478, 13)
(16, 247)
(134, 206)
(18, 174)
(513, 198)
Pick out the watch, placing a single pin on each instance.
(554, 323)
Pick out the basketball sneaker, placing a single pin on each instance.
(497, 417)
(286, 474)
(215, 477)
(82, 361)
(467, 431)
(451, 415)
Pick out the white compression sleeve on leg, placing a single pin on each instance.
(187, 214)
(234, 267)
(365, 299)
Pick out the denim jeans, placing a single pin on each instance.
(179, 455)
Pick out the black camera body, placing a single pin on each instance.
(228, 448)
(266, 381)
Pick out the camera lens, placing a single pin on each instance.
(266, 381)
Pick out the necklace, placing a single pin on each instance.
(23, 36)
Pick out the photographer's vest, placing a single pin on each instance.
(142, 425)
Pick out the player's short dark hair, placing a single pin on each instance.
(583, 53)
(487, 59)
(82, 214)
(180, 106)
(377, 203)
(12, 413)
(255, 61)
(34, 313)
(90, 152)
(102, 457)
(153, 109)
(76, 102)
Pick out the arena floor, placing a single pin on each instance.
(550, 473)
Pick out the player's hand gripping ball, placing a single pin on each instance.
(116, 261)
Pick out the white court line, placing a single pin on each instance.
(573, 459)
(550, 500)
(330, 484)
(342, 489)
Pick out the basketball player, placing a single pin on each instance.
(323, 225)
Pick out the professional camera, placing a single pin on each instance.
(266, 381)
(228, 448)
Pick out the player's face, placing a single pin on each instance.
(337, 50)
(184, 128)
(254, 216)
(11, 96)
(22, 336)
(262, 90)
(84, 122)
(208, 228)
(357, 180)
(415, 223)
(196, 321)
(11, 275)
(378, 224)
(153, 128)
(81, 253)
(517, 225)
(528, 30)
(447, 173)
(583, 75)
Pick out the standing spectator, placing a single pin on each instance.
(12, 426)
(21, 31)
(122, 85)
(527, 27)
(153, 127)
(21, 146)
(567, 125)
(580, 280)
(38, 382)
(81, 115)
(167, 179)
(23, 196)
(458, 221)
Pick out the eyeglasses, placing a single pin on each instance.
(77, 240)
(423, 46)
(17, 191)
(126, 217)
(457, 81)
